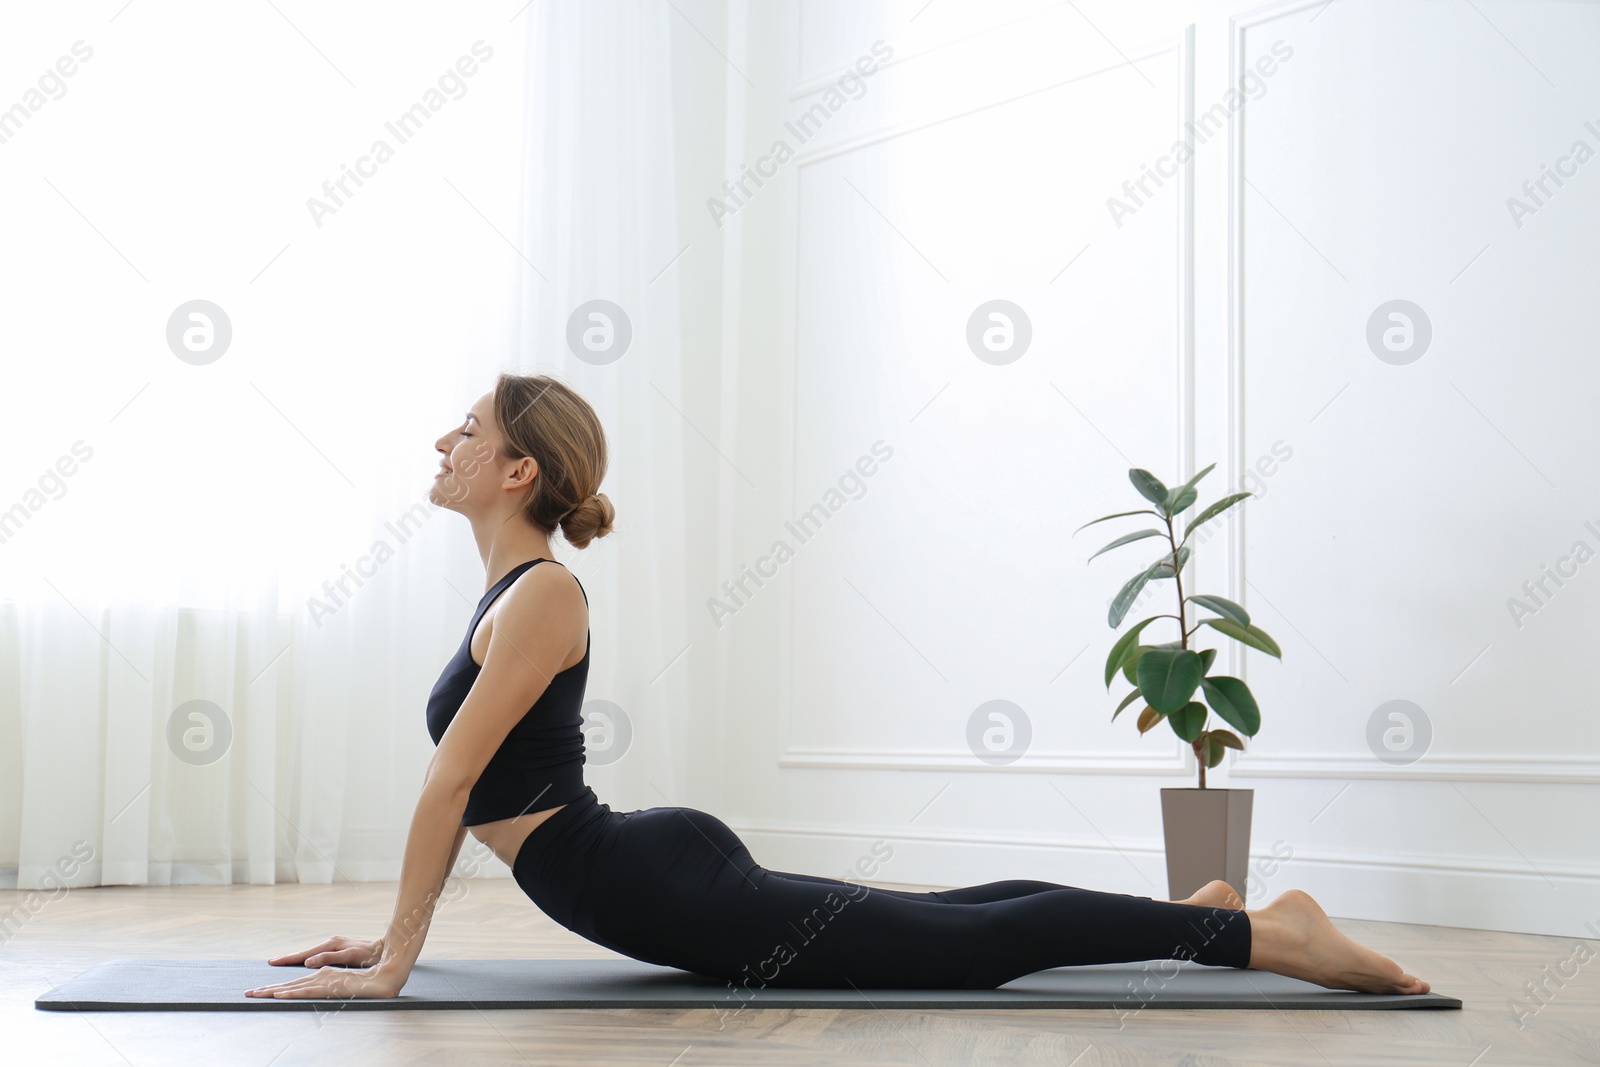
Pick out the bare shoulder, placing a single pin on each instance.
(546, 584)
(543, 599)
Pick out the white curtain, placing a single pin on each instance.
(601, 226)
(223, 596)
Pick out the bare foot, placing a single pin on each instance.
(1294, 936)
(1214, 894)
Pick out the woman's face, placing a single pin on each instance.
(471, 471)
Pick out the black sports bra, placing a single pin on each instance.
(540, 763)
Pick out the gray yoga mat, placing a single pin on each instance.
(219, 985)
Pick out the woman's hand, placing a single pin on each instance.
(341, 983)
(347, 951)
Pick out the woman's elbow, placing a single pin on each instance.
(449, 786)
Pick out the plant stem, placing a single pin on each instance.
(1177, 576)
(1183, 635)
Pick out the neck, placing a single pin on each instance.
(505, 541)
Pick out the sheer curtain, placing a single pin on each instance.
(602, 234)
(223, 594)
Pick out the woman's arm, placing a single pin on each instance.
(455, 854)
(353, 952)
(435, 834)
(540, 620)
(455, 849)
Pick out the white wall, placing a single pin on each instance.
(1223, 320)
(1398, 506)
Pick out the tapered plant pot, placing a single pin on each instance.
(1207, 834)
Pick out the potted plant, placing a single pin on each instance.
(1207, 831)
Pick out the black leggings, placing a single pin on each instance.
(676, 886)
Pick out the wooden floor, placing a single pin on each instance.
(493, 919)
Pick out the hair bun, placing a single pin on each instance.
(588, 519)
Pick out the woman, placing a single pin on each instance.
(675, 886)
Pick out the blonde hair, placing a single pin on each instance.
(547, 420)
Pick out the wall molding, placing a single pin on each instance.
(1530, 769)
(1182, 47)
(960, 761)
(810, 84)
(1538, 770)
(1541, 770)
(1156, 853)
(1237, 519)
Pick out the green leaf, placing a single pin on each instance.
(1120, 649)
(1187, 720)
(1129, 699)
(1192, 482)
(1232, 699)
(1216, 744)
(1213, 511)
(1222, 606)
(1162, 568)
(1148, 719)
(1131, 667)
(1205, 660)
(1168, 677)
(1228, 738)
(1253, 636)
(1179, 499)
(1118, 515)
(1137, 535)
(1128, 594)
(1149, 486)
